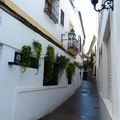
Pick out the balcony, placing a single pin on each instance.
(51, 11)
(73, 47)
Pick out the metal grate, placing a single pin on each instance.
(74, 44)
(51, 8)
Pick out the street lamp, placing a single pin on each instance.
(71, 35)
(107, 4)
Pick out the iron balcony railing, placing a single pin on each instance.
(74, 44)
(51, 11)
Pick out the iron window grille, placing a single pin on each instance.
(52, 9)
(62, 18)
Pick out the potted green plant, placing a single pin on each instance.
(77, 64)
(37, 48)
(37, 55)
(63, 61)
(70, 70)
(59, 66)
(25, 56)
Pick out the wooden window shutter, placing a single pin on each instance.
(50, 6)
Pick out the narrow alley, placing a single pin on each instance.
(59, 60)
(83, 105)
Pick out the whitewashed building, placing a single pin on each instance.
(108, 65)
(22, 95)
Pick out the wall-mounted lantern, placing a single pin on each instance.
(74, 44)
(71, 35)
(107, 4)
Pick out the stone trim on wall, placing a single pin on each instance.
(12, 9)
(30, 20)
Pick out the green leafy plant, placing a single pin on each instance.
(28, 59)
(77, 64)
(70, 70)
(25, 57)
(63, 61)
(38, 49)
(88, 63)
(59, 65)
(49, 66)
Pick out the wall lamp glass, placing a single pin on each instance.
(71, 35)
(107, 4)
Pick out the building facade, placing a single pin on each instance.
(108, 62)
(23, 95)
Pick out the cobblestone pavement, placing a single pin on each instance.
(83, 105)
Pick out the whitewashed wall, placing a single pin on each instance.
(102, 66)
(22, 95)
(36, 11)
(110, 109)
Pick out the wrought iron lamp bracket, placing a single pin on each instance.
(107, 4)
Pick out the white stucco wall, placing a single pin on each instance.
(102, 76)
(22, 95)
(110, 110)
(116, 64)
(36, 11)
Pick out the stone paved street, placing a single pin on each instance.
(83, 105)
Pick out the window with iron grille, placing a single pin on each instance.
(79, 44)
(62, 18)
(52, 9)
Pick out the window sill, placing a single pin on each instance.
(38, 88)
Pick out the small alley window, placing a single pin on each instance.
(62, 18)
